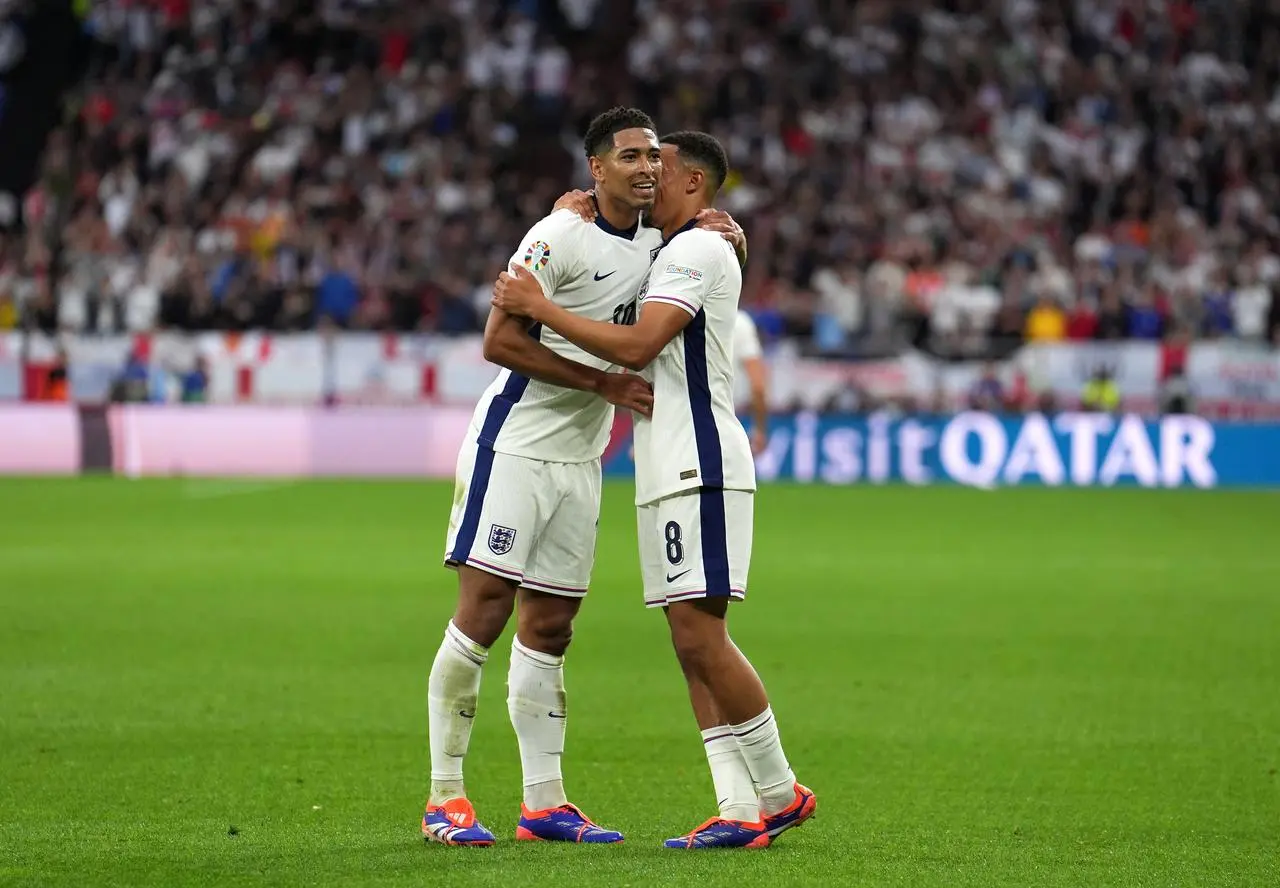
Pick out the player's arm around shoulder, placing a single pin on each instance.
(508, 341)
(682, 278)
(631, 346)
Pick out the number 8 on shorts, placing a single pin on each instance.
(695, 544)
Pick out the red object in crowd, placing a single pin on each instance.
(798, 141)
(175, 12)
(1018, 397)
(40, 383)
(1173, 359)
(99, 109)
(1082, 323)
(395, 51)
(1127, 26)
(1182, 15)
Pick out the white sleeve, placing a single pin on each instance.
(551, 250)
(746, 341)
(681, 276)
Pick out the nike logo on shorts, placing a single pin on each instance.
(465, 714)
(601, 277)
(557, 715)
(671, 579)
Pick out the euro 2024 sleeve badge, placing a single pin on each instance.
(537, 255)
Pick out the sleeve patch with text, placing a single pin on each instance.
(692, 274)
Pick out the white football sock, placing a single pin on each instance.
(762, 748)
(451, 710)
(537, 703)
(735, 791)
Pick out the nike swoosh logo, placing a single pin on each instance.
(558, 714)
(671, 579)
(601, 277)
(465, 714)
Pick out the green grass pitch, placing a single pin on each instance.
(223, 683)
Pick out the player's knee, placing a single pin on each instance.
(696, 648)
(485, 603)
(548, 633)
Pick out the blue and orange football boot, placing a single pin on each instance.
(800, 810)
(720, 833)
(454, 823)
(563, 824)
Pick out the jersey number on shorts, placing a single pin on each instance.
(625, 314)
(675, 545)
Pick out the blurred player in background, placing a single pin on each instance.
(527, 501)
(695, 484)
(748, 355)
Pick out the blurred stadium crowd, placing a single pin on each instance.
(960, 176)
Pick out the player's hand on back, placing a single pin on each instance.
(722, 224)
(581, 202)
(519, 294)
(629, 391)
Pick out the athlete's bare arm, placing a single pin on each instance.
(507, 343)
(633, 347)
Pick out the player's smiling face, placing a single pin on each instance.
(629, 173)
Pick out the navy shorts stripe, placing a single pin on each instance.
(470, 525)
(499, 410)
(705, 433)
(715, 542)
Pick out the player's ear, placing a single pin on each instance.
(596, 165)
(697, 179)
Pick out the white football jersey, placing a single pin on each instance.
(694, 438)
(746, 345)
(594, 270)
(746, 339)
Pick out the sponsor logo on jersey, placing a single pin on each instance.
(501, 539)
(537, 256)
(600, 277)
(692, 274)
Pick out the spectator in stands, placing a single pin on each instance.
(1046, 322)
(285, 164)
(194, 384)
(840, 309)
(8, 311)
(1101, 394)
(988, 392)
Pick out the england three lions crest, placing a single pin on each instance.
(501, 539)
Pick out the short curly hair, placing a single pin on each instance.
(704, 151)
(599, 137)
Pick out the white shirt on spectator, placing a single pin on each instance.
(1249, 310)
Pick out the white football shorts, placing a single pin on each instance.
(696, 544)
(525, 520)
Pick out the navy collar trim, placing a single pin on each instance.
(626, 234)
(692, 223)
